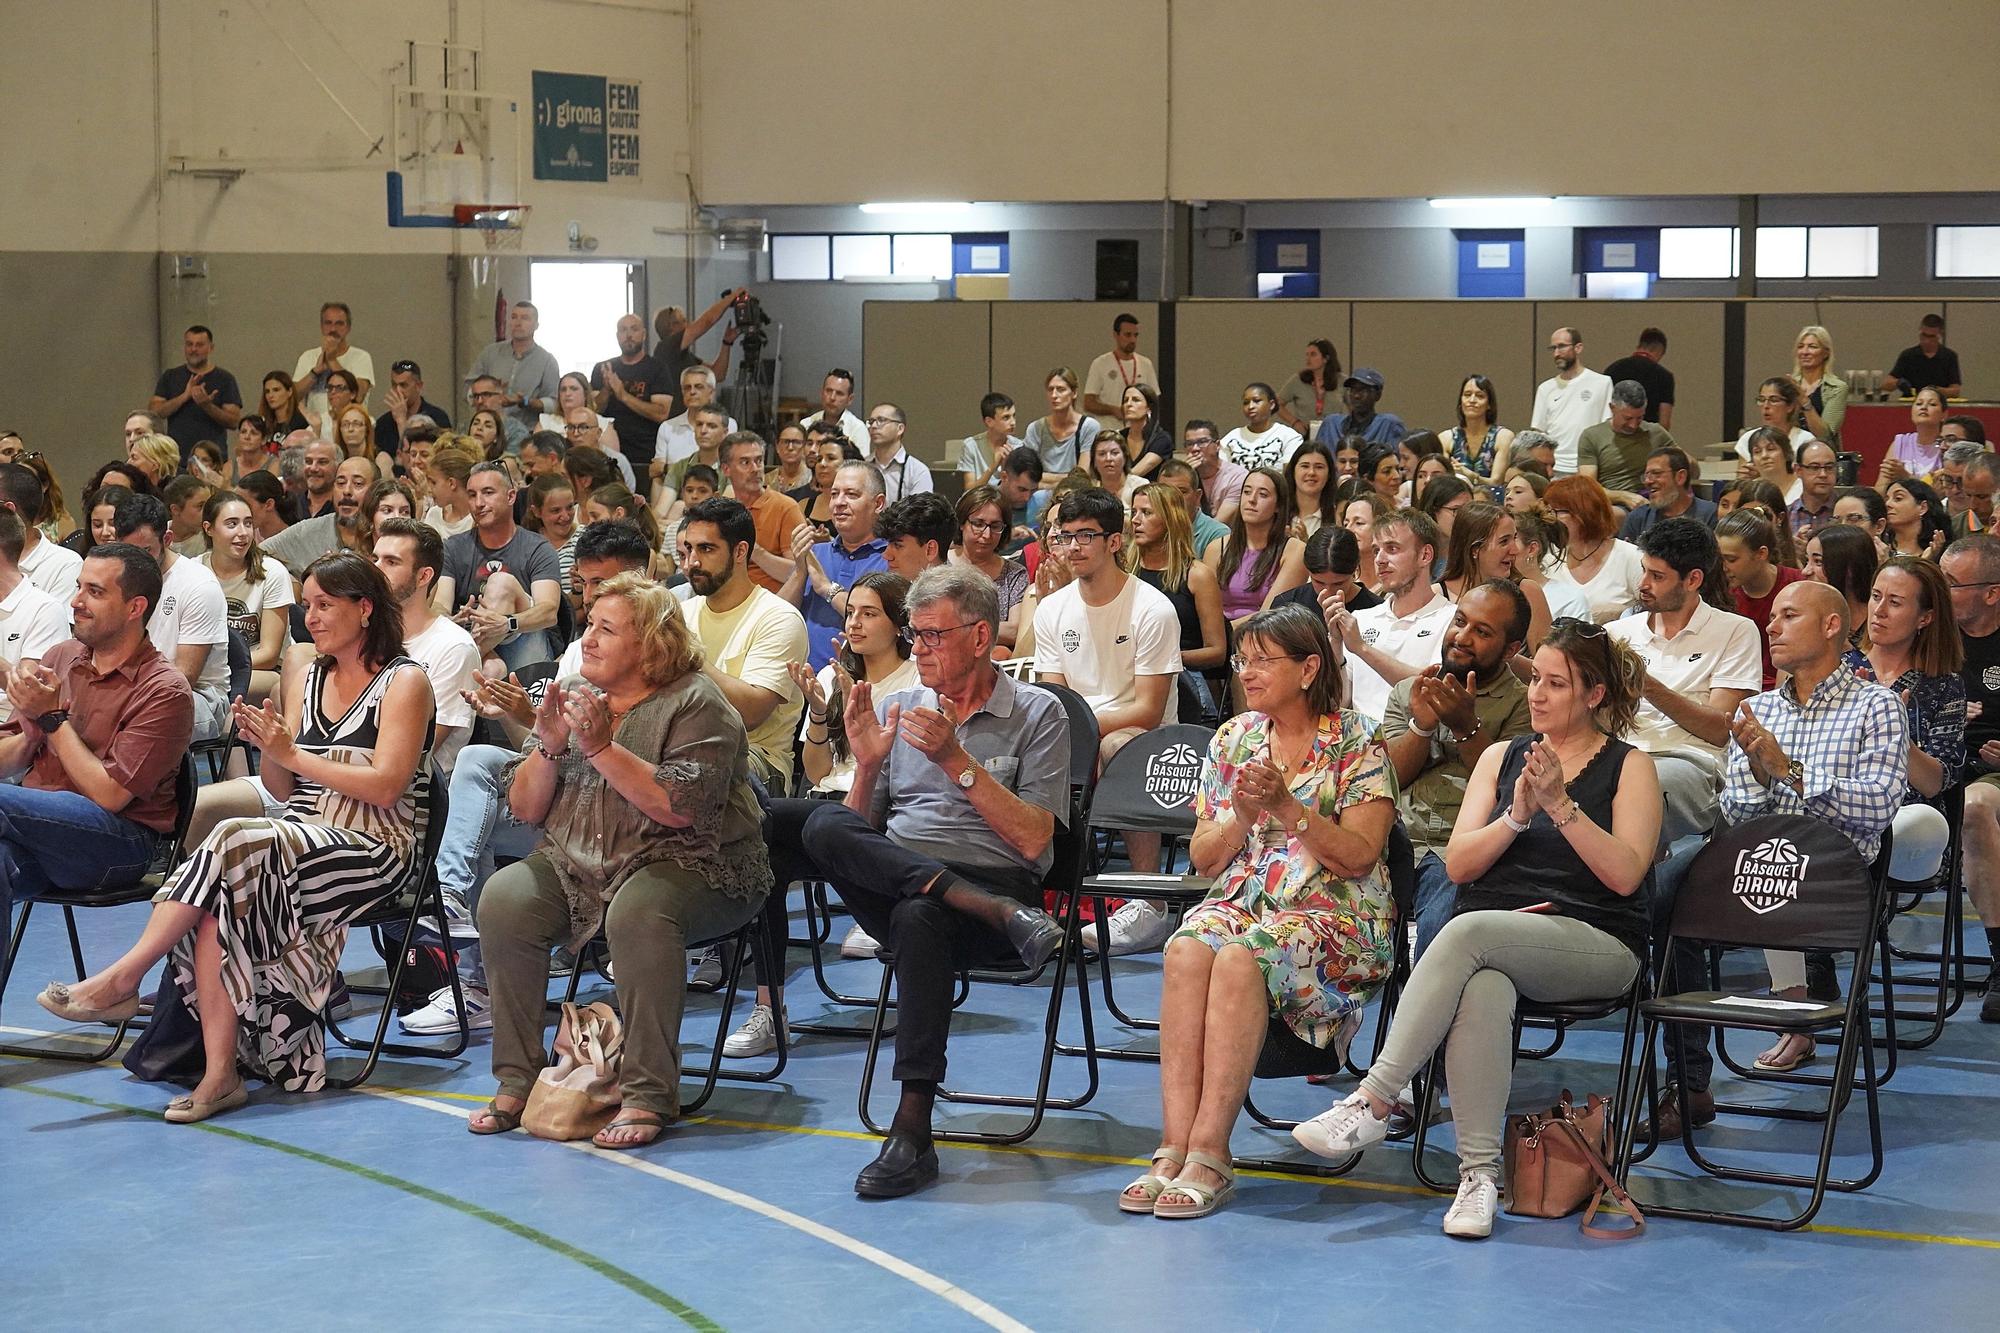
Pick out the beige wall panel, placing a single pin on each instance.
(1031, 338)
(1425, 349)
(1866, 336)
(1972, 329)
(1694, 351)
(1224, 345)
(930, 359)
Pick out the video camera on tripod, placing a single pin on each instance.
(750, 323)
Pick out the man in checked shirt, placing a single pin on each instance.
(1824, 744)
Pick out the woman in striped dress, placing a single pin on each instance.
(254, 919)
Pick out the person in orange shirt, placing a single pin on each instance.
(776, 514)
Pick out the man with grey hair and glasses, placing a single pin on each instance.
(941, 847)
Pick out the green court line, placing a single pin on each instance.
(604, 1268)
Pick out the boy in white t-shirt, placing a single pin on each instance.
(1117, 642)
(31, 621)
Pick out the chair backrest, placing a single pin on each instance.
(1082, 737)
(1782, 882)
(187, 784)
(239, 664)
(433, 808)
(535, 673)
(1150, 785)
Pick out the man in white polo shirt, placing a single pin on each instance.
(31, 621)
(1116, 641)
(1573, 400)
(1394, 641)
(1701, 663)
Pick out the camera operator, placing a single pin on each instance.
(679, 334)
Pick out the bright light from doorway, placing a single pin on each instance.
(580, 304)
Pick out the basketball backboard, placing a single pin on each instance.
(458, 150)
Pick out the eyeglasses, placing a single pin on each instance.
(1082, 537)
(1764, 400)
(579, 427)
(885, 421)
(983, 525)
(1588, 629)
(1240, 664)
(932, 638)
(1983, 583)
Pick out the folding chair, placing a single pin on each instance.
(1779, 882)
(165, 857)
(1065, 879)
(1946, 966)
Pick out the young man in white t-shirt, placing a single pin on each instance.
(50, 567)
(1574, 399)
(411, 557)
(1116, 641)
(191, 626)
(31, 621)
(1392, 642)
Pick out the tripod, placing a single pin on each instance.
(752, 392)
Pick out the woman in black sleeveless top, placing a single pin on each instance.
(1553, 842)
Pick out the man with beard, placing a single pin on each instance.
(1441, 720)
(747, 634)
(411, 557)
(1572, 400)
(501, 582)
(1392, 642)
(632, 389)
(322, 457)
(302, 543)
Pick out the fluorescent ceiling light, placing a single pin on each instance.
(1500, 201)
(919, 206)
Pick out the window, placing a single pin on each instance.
(1839, 252)
(1967, 252)
(1782, 252)
(922, 255)
(860, 256)
(1698, 252)
(911, 256)
(801, 258)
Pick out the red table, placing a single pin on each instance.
(1870, 427)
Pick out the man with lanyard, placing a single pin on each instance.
(1117, 370)
(824, 571)
(527, 369)
(901, 474)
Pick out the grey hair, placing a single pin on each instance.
(291, 463)
(1628, 393)
(872, 473)
(1986, 465)
(702, 373)
(1529, 439)
(970, 592)
(1985, 552)
(1962, 451)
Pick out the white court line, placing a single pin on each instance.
(902, 1268)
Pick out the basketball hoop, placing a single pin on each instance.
(500, 226)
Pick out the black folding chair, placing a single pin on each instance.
(1943, 971)
(165, 857)
(1779, 882)
(1065, 879)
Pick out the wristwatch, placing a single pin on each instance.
(971, 773)
(1299, 829)
(511, 625)
(1795, 773)
(52, 719)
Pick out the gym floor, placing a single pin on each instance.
(744, 1217)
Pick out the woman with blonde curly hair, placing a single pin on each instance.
(638, 772)
(155, 455)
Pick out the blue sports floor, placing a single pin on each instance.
(359, 1210)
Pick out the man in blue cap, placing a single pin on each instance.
(1362, 389)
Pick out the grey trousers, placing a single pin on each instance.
(1461, 995)
(522, 915)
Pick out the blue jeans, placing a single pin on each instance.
(1437, 899)
(64, 840)
(526, 648)
(477, 829)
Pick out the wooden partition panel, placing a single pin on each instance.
(931, 359)
(1866, 336)
(1223, 345)
(1972, 329)
(1031, 338)
(1425, 349)
(1694, 352)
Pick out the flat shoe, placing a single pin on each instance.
(1787, 1055)
(904, 1166)
(186, 1110)
(502, 1121)
(1207, 1198)
(55, 998)
(1153, 1183)
(658, 1127)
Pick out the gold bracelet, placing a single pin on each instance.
(1570, 818)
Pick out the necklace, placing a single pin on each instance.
(1586, 559)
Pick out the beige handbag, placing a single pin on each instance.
(578, 1095)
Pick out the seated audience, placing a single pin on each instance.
(1315, 498)
(410, 556)
(1614, 451)
(828, 450)
(1333, 558)
(1485, 545)
(1144, 439)
(1763, 499)
(1562, 820)
(551, 513)
(919, 531)
(637, 771)
(775, 516)
(1844, 557)
(31, 621)
(1107, 469)
(339, 528)
(499, 579)
(903, 473)
(47, 564)
(980, 456)
(1381, 471)
(1260, 558)
(1918, 451)
(1221, 480)
(191, 626)
(1918, 522)
(1971, 566)
(1361, 391)
(1773, 459)
(1394, 641)
(449, 471)
(1778, 403)
(1262, 441)
(1745, 540)
(253, 921)
(1594, 559)
(1303, 398)
(1019, 487)
(1822, 393)
(1929, 363)
(1204, 527)
(1543, 541)
(1292, 817)
(1062, 439)
(1812, 508)
(792, 477)
(823, 571)
(1479, 445)
(1162, 556)
(256, 589)
(982, 527)
(1668, 483)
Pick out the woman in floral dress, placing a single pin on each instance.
(1294, 810)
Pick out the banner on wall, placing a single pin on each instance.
(586, 127)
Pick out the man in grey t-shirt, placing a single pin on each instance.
(501, 582)
(526, 370)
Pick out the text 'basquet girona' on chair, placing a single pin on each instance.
(1779, 882)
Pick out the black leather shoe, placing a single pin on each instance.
(1034, 935)
(904, 1166)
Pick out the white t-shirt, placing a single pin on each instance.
(675, 439)
(193, 611)
(1564, 409)
(1109, 378)
(1564, 597)
(246, 602)
(1415, 640)
(31, 623)
(753, 643)
(53, 569)
(1101, 651)
(1614, 589)
(903, 677)
(451, 659)
(354, 361)
(1801, 437)
(853, 427)
(434, 518)
(1717, 650)
(1274, 448)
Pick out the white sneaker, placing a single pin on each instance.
(1348, 1126)
(1470, 1216)
(757, 1036)
(858, 944)
(1137, 927)
(440, 1016)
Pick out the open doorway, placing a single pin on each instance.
(580, 302)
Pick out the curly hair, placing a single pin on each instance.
(667, 651)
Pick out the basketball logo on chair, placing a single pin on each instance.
(1172, 776)
(1769, 875)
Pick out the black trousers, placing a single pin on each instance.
(883, 885)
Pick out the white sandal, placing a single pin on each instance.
(1207, 1198)
(1153, 1183)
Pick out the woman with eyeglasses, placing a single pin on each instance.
(1917, 521)
(793, 475)
(342, 391)
(1917, 452)
(1260, 558)
(573, 391)
(1778, 400)
(1297, 931)
(982, 528)
(1863, 507)
(1553, 843)
(1913, 647)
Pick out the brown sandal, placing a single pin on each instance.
(500, 1121)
